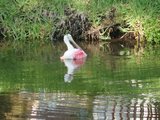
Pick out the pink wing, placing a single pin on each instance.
(79, 54)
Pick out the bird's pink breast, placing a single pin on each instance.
(79, 54)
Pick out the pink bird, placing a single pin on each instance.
(72, 53)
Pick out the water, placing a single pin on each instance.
(103, 87)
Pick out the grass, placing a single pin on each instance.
(32, 21)
(146, 12)
(27, 21)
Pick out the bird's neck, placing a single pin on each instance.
(69, 46)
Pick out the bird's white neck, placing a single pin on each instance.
(67, 42)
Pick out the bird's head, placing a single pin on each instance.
(72, 41)
(70, 37)
(66, 38)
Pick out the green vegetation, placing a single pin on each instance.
(146, 13)
(33, 21)
(28, 21)
(142, 15)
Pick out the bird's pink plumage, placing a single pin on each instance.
(79, 54)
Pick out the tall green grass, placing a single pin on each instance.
(32, 21)
(145, 12)
(29, 21)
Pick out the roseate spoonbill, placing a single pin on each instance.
(72, 52)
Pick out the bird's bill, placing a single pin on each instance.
(76, 45)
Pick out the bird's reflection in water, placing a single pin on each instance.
(72, 66)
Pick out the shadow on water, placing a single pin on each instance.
(5, 105)
(102, 87)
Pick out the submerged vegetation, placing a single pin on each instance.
(37, 22)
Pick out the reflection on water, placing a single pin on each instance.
(72, 66)
(35, 106)
(121, 108)
(33, 87)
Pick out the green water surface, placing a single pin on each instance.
(34, 78)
